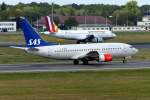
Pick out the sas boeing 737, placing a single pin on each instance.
(79, 35)
(100, 52)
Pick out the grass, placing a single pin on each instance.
(132, 37)
(11, 55)
(19, 38)
(110, 85)
(143, 54)
(15, 38)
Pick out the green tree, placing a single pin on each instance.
(119, 17)
(133, 11)
(4, 15)
(16, 12)
(128, 14)
(72, 12)
(32, 13)
(61, 11)
(3, 6)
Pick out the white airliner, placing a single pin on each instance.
(79, 35)
(100, 52)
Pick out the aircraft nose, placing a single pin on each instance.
(114, 35)
(136, 50)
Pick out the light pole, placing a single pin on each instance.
(116, 19)
(127, 19)
(127, 15)
(52, 10)
(85, 13)
(95, 20)
(107, 20)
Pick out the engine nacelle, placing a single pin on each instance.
(97, 39)
(105, 57)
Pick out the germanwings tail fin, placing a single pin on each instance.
(32, 37)
(50, 25)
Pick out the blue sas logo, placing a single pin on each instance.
(34, 42)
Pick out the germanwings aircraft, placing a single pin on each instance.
(79, 35)
(100, 52)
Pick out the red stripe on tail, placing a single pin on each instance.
(52, 24)
(48, 24)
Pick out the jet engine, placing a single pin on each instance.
(105, 57)
(97, 39)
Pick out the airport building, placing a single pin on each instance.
(91, 27)
(143, 25)
(92, 23)
(7, 26)
(127, 28)
(145, 21)
(100, 23)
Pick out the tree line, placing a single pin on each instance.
(121, 15)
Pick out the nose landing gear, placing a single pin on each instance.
(85, 61)
(124, 60)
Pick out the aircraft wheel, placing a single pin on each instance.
(78, 42)
(124, 61)
(85, 62)
(76, 62)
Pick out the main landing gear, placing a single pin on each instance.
(79, 41)
(124, 60)
(85, 62)
(76, 62)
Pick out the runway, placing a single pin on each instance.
(138, 45)
(69, 67)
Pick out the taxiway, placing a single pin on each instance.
(69, 67)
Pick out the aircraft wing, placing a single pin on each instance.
(92, 55)
(90, 37)
(19, 47)
(47, 33)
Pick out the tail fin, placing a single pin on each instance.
(50, 25)
(31, 36)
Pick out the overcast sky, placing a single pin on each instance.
(63, 2)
